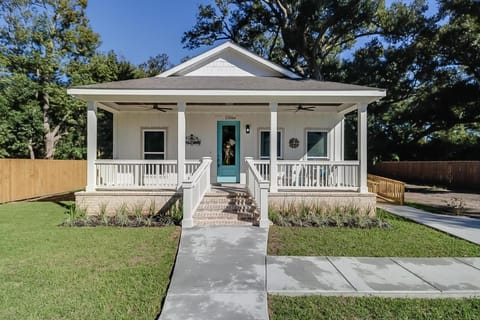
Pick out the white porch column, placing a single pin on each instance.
(91, 145)
(362, 147)
(181, 144)
(273, 147)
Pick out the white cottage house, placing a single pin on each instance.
(226, 116)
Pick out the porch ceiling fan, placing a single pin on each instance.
(300, 107)
(151, 106)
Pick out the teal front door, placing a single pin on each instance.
(228, 151)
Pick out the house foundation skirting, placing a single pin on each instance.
(112, 201)
(362, 201)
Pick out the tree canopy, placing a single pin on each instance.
(428, 62)
(45, 47)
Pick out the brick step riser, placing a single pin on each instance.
(226, 201)
(228, 216)
(215, 196)
(208, 223)
(209, 207)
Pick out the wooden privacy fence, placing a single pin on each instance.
(25, 178)
(389, 189)
(463, 174)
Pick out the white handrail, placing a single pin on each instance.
(194, 190)
(312, 174)
(140, 174)
(258, 188)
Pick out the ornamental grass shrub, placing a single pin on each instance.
(324, 215)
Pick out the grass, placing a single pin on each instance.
(316, 307)
(404, 239)
(52, 272)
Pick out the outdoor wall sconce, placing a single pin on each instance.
(247, 128)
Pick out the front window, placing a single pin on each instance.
(265, 144)
(154, 144)
(317, 144)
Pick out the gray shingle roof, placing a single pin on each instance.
(226, 83)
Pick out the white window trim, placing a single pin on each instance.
(164, 130)
(259, 139)
(306, 144)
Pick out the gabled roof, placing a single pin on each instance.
(228, 49)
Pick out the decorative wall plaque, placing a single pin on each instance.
(192, 140)
(293, 143)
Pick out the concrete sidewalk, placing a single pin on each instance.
(219, 274)
(461, 227)
(387, 277)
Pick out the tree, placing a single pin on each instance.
(306, 36)
(432, 108)
(39, 39)
(155, 65)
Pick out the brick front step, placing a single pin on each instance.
(221, 208)
(221, 222)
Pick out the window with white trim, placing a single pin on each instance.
(317, 144)
(265, 144)
(154, 142)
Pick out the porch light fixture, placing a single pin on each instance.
(247, 128)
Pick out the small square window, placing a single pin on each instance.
(154, 144)
(317, 142)
(265, 144)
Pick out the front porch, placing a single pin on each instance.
(155, 183)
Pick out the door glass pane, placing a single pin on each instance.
(228, 145)
(154, 141)
(317, 144)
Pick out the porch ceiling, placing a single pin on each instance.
(171, 107)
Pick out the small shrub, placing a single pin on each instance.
(103, 218)
(74, 215)
(121, 216)
(456, 205)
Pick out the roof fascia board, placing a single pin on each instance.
(232, 46)
(226, 93)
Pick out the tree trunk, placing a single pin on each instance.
(51, 136)
(30, 149)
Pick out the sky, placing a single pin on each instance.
(140, 29)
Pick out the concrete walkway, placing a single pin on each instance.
(461, 227)
(219, 274)
(387, 277)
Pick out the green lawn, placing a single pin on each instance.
(51, 272)
(315, 307)
(404, 239)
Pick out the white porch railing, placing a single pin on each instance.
(194, 189)
(258, 187)
(140, 174)
(312, 175)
